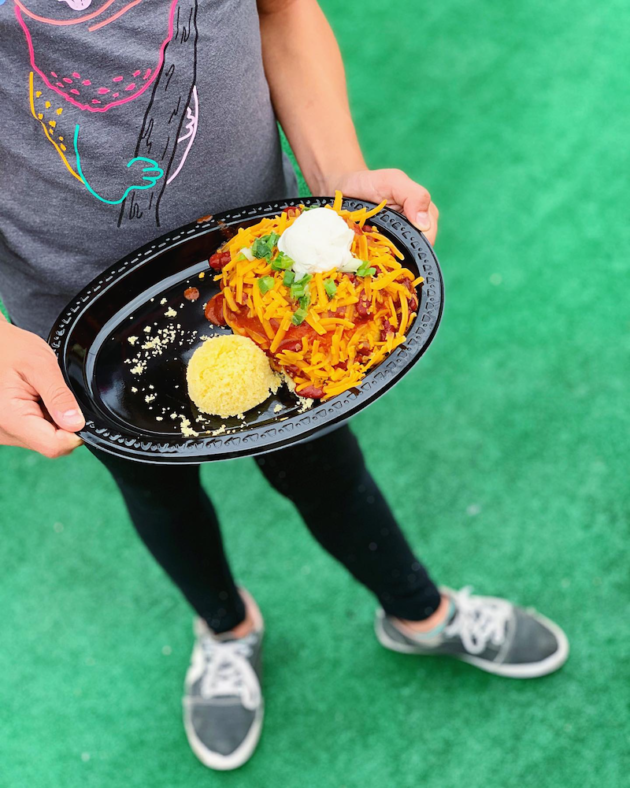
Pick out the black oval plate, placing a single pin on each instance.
(137, 297)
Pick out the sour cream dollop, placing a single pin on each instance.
(319, 240)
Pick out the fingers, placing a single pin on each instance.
(434, 215)
(32, 431)
(401, 192)
(408, 196)
(45, 376)
(43, 437)
(414, 199)
(416, 203)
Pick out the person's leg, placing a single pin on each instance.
(331, 487)
(335, 494)
(176, 521)
(222, 703)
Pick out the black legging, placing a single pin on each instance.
(332, 489)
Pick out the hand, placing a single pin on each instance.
(28, 372)
(402, 194)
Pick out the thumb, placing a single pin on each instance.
(60, 403)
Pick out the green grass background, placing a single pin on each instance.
(504, 454)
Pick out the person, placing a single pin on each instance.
(122, 121)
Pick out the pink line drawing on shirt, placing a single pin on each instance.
(113, 17)
(66, 94)
(192, 123)
(64, 22)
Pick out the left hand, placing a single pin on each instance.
(402, 194)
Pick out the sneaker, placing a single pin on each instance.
(490, 633)
(223, 703)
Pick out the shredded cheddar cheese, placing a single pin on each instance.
(348, 322)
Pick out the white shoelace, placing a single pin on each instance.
(478, 620)
(228, 671)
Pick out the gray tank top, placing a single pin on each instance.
(121, 120)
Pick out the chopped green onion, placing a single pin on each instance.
(301, 288)
(299, 316)
(263, 247)
(288, 278)
(265, 284)
(330, 287)
(260, 248)
(365, 270)
(282, 262)
(305, 301)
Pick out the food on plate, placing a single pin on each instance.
(320, 291)
(229, 375)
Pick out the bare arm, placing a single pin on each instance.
(308, 89)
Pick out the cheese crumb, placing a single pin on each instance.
(150, 398)
(170, 312)
(132, 340)
(163, 301)
(278, 408)
(134, 389)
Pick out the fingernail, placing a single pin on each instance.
(72, 416)
(423, 220)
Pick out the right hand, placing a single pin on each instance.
(29, 373)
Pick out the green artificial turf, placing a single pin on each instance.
(504, 454)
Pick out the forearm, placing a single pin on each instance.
(308, 89)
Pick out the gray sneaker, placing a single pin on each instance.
(223, 703)
(490, 633)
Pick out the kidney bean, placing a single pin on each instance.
(363, 306)
(413, 295)
(219, 260)
(191, 294)
(214, 310)
(386, 330)
(312, 392)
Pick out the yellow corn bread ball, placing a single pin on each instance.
(228, 375)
